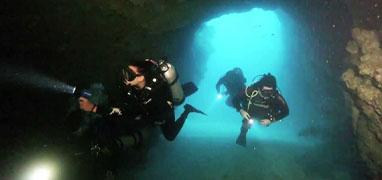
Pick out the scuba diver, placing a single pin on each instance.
(234, 82)
(100, 134)
(82, 116)
(154, 89)
(89, 132)
(261, 101)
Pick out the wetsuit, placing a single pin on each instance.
(273, 108)
(260, 105)
(80, 127)
(155, 104)
(234, 81)
(102, 128)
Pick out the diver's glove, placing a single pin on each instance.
(245, 114)
(115, 111)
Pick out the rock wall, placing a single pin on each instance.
(364, 83)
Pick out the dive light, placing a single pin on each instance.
(251, 121)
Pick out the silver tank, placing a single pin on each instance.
(171, 76)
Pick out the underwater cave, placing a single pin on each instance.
(325, 55)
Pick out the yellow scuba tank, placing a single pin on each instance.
(171, 76)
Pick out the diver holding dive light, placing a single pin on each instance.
(150, 91)
(261, 101)
(91, 133)
(154, 88)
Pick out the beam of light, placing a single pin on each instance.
(41, 171)
(23, 76)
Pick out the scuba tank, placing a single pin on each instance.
(171, 76)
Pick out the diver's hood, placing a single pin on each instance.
(268, 80)
(86, 94)
(95, 94)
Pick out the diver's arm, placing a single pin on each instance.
(102, 110)
(218, 84)
(281, 108)
(106, 110)
(236, 101)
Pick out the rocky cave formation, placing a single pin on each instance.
(363, 78)
(89, 39)
(364, 83)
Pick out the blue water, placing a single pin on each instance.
(258, 42)
(251, 41)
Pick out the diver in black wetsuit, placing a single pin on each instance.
(261, 101)
(234, 82)
(82, 117)
(92, 119)
(153, 88)
(91, 132)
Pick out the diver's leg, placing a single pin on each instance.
(170, 128)
(189, 88)
(242, 138)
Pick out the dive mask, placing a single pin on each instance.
(268, 92)
(129, 74)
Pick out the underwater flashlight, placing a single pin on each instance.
(74, 89)
(219, 96)
(251, 121)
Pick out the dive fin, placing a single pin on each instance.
(191, 108)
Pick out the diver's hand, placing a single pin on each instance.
(245, 114)
(265, 122)
(218, 89)
(126, 82)
(115, 111)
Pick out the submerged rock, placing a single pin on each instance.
(352, 47)
(364, 83)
